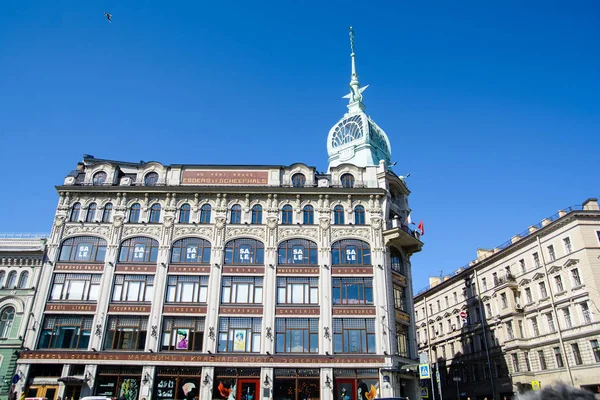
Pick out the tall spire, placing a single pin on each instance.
(355, 96)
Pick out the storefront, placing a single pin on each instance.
(296, 384)
(177, 383)
(237, 383)
(118, 382)
(356, 384)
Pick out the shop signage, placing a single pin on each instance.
(70, 307)
(129, 309)
(229, 177)
(402, 316)
(352, 270)
(243, 270)
(297, 311)
(241, 310)
(184, 309)
(194, 269)
(209, 358)
(135, 268)
(79, 267)
(399, 279)
(298, 270)
(354, 311)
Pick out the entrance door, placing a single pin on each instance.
(345, 389)
(248, 389)
(72, 392)
(43, 391)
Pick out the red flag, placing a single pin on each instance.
(421, 228)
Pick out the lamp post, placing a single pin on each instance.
(457, 380)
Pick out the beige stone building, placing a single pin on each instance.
(531, 312)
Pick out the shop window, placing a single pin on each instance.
(297, 335)
(75, 287)
(126, 333)
(244, 251)
(352, 291)
(297, 251)
(83, 248)
(187, 289)
(239, 335)
(133, 288)
(191, 250)
(66, 332)
(350, 252)
(241, 290)
(297, 290)
(297, 384)
(353, 335)
(139, 250)
(182, 334)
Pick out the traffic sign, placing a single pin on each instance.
(424, 371)
(536, 385)
(425, 392)
(463, 314)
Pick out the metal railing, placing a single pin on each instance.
(27, 235)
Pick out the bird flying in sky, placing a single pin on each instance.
(108, 16)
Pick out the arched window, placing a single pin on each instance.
(184, 214)
(297, 251)
(257, 214)
(75, 212)
(244, 251)
(99, 178)
(347, 180)
(83, 248)
(2, 276)
(308, 215)
(91, 213)
(350, 251)
(134, 213)
(338, 215)
(287, 217)
(11, 281)
(236, 214)
(191, 250)
(397, 263)
(359, 215)
(298, 180)
(138, 250)
(155, 213)
(151, 179)
(205, 214)
(23, 280)
(6, 319)
(107, 214)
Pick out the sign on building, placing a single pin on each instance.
(424, 371)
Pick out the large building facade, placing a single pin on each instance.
(21, 258)
(230, 282)
(521, 315)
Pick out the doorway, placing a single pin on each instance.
(345, 389)
(248, 389)
(47, 391)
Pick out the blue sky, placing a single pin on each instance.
(492, 107)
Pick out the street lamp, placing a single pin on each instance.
(457, 380)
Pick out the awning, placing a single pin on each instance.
(70, 380)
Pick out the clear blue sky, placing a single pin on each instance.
(493, 107)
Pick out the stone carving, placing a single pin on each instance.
(241, 231)
(168, 221)
(297, 231)
(131, 230)
(324, 223)
(342, 232)
(376, 223)
(272, 223)
(192, 230)
(118, 221)
(220, 222)
(101, 230)
(59, 220)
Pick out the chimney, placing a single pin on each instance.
(434, 281)
(590, 204)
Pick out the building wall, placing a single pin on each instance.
(518, 325)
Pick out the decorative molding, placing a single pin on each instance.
(181, 231)
(244, 230)
(131, 230)
(101, 230)
(297, 231)
(345, 232)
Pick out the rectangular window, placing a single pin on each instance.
(239, 335)
(521, 330)
(484, 284)
(576, 353)
(182, 334)
(585, 311)
(558, 357)
(559, 284)
(542, 360)
(595, 349)
(509, 330)
(543, 291)
(534, 327)
(297, 290)
(66, 332)
(550, 319)
(133, 288)
(576, 277)
(528, 295)
(455, 297)
(567, 316)
(504, 300)
(242, 290)
(353, 335)
(446, 301)
(488, 310)
(567, 244)
(527, 363)
(352, 290)
(75, 287)
(126, 333)
(551, 253)
(297, 335)
(522, 265)
(495, 278)
(187, 289)
(536, 260)
(515, 362)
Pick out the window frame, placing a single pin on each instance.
(97, 250)
(287, 215)
(576, 354)
(256, 215)
(340, 249)
(347, 180)
(178, 286)
(192, 327)
(298, 180)
(151, 179)
(290, 250)
(107, 212)
(205, 212)
(344, 287)
(99, 178)
(567, 245)
(180, 249)
(184, 213)
(233, 247)
(150, 250)
(558, 357)
(75, 211)
(308, 215)
(231, 286)
(6, 321)
(51, 331)
(286, 332)
(342, 340)
(23, 280)
(359, 215)
(123, 290)
(90, 215)
(235, 214)
(134, 213)
(155, 211)
(66, 286)
(338, 215)
(121, 327)
(289, 287)
(231, 326)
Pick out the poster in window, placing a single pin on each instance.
(367, 389)
(191, 253)
(351, 255)
(138, 252)
(165, 389)
(298, 254)
(188, 388)
(182, 339)
(83, 252)
(245, 254)
(239, 340)
(129, 389)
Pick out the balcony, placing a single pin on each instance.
(402, 236)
